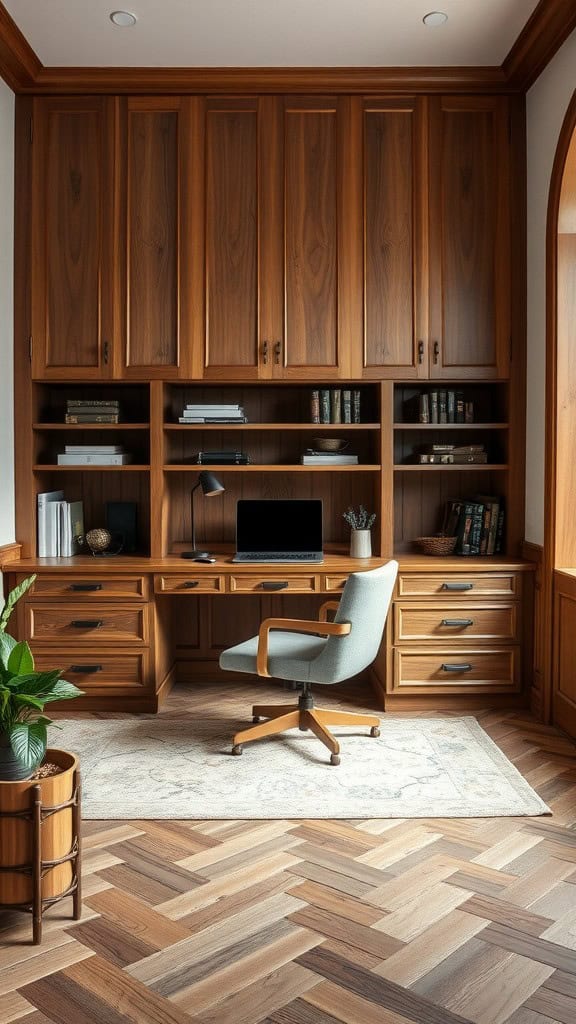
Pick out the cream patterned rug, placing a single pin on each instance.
(417, 768)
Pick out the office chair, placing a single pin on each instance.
(323, 652)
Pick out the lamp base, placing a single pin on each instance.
(194, 554)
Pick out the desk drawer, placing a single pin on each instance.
(89, 587)
(93, 671)
(100, 624)
(446, 671)
(190, 585)
(335, 583)
(442, 621)
(467, 585)
(288, 584)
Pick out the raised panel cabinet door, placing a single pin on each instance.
(72, 252)
(322, 253)
(470, 241)
(156, 237)
(394, 228)
(233, 142)
(564, 653)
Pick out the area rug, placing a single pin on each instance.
(417, 768)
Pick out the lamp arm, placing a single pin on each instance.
(192, 523)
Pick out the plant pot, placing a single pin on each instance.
(360, 544)
(36, 831)
(11, 769)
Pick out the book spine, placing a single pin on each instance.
(315, 407)
(336, 406)
(494, 514)
(459, 407)
(485, 530)
(433, 407)
(464, 528)
(476, 529)
(424, 408)
(442, 407)
(91, 418)
(346, 406)
(73, 403)
(451, 406)
(499, 543)
(356, 412)
(324, 406)
(468, 412)
(41, 522)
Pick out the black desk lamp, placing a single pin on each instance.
(210, 487)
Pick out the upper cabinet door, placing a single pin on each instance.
(317, 222)
(72, 254)
(156, 238)
(395, 214)
(469, 237)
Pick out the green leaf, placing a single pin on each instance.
(37, 682)
(25, 700)
(12, 598)
(63, 690)
(21, 661)
(28, 740)
(7, 644)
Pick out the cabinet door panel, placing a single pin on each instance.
(470, 243)
(72, 253)
(394, 208)
(232, 237)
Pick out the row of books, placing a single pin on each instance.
(312, 457)
(450, 454)
(88, 410)
(335, 405)
(94, 455)
(442, 407)
(60, 525)
(478, 523)
(204, 412)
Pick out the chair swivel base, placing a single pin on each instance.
(303, 716)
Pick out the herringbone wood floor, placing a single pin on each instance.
(316, 922)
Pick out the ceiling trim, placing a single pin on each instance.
(548, 27)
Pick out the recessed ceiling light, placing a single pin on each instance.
(123, 18)
(435, 18)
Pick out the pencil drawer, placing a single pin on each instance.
(335, 583)
(466, 586)
(101, 624)
(416, 622)
(253, 584)
(98, 673)
(89, 587)
(446, 671)
(190, 585)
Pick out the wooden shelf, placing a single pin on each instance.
(465, 467)
(451, 426)
(322, 427)
(79, 467)
(90, 426)
(270, 468)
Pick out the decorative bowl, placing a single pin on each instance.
(437, 545)
(329, 444)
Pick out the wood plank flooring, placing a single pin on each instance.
(316, 922)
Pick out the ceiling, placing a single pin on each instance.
(271, 33)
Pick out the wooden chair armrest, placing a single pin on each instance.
(328, 606)
(295, 626)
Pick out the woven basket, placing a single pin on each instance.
(437, 545)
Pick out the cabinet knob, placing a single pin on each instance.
(265, 352)
(420, 351)
(277, 351)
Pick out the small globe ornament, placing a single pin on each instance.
(98, 540)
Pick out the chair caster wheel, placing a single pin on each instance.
(334, 758)
(237, 749)
(255, 719)
(374, 731)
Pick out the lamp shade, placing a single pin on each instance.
(210, 484)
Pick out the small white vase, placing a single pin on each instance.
(360, 544)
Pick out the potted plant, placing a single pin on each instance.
(360, 539)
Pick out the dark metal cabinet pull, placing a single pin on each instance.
(277, 351)
(420, 351)
(189, 584)
(273, 585)
(85, 670)
(265, 352)
(86, 623)
(106, 352)
(464, 666)
(457, 586)
(85, 586)
(457, 622)
(436, 351)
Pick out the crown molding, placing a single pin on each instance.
(549, 26)
(19, 65)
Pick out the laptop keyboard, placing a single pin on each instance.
(278, 556)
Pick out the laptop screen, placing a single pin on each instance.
(269, 525)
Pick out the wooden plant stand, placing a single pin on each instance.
(40, 843)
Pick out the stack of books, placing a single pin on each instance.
(312, 457)
(60, 525)
(92, 410)
(333, 405)
(478, 523)
(439, 407)
(94, 455)
(203, 412)
(451, 454)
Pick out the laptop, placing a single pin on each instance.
(278, 530)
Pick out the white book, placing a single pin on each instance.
(208, 414)
(329, 460)
(81, 449)
(95, 460)
(207, 406)
(43, 501)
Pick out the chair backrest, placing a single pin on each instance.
(364, 604)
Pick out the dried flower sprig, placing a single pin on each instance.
(359, 519)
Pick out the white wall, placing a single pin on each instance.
(6, 314)
(546, 105)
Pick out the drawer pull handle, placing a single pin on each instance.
(457, 622)
(464, 666)
(86, 623)
(273, 585)
(85, 586)
(85, 670)
(189, 584)
(457, 586)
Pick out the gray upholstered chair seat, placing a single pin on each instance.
(291, 655)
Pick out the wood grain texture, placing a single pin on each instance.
(549, 26)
